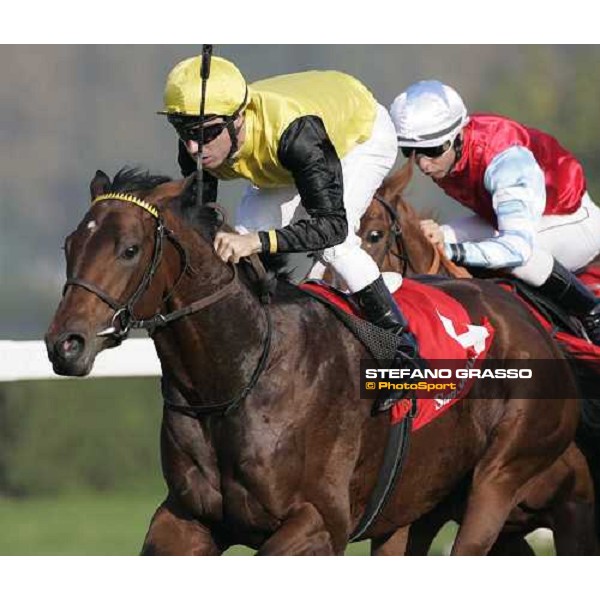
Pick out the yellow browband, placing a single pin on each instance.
(128, 198)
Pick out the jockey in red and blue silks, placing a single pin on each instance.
(533, 214)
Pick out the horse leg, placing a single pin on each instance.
(571, 496)
(172, 533)
(511, 544)
(303, 533)
(498, 484)
(423, 531)
(574, 529)
(421, 537)
(416, 539)
(490, 502)
(393, 544)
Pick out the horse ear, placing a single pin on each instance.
(405, 175)
(189, 183)
(401, 178)
(169, 190)
(100, 184)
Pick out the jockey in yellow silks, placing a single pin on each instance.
(314, 147)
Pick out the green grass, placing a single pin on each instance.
(358, 549)
(110, 524)
(113, 524)
(92, 525)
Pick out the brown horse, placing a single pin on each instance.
(265, 440)
(391, 233)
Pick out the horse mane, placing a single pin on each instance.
(133, 179)
(207, 220)
(203, 219)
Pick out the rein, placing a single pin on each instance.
(226, 408)
(395, 235)
(126, 321)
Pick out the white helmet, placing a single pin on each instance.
(428, 114)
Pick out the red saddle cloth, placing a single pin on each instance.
(591, 277)
(443, 330)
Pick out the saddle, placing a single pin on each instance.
(380, 343)
(556, 316)
(441, 325)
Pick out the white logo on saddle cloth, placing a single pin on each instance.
(474, 337)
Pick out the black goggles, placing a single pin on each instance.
(187, 127)
(191, 132)
(434, 152)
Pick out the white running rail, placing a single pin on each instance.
(20, 361)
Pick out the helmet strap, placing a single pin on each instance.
(457, 144)
(230, 123)
(233, 136)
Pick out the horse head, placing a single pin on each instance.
(124, 260)
(390, 229)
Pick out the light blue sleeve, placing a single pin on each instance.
(517, 185)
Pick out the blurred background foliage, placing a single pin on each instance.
(69, 110)
(97, 435)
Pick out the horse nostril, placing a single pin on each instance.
(70, 346)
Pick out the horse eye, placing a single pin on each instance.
(130, 252)
(373, 237)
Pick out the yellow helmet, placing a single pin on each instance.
(226, 90)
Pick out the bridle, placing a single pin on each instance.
(395, 235)
(123, 320)
(439, 258)
(396, 240)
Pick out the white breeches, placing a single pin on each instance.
(574, 240)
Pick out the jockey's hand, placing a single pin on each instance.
(433, 232)
(232, 246)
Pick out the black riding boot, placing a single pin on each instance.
(380, 308)
(564, 288)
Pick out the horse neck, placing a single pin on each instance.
(209, 355)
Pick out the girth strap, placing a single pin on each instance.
(389, 472)
(382, 345)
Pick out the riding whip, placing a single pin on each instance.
(204, 75)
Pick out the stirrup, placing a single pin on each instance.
(407, 356)
(408, 347)
(591, 325)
